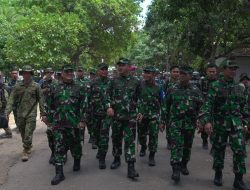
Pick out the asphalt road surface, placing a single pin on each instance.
(37, 173)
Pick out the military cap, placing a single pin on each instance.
(244, 76)
(92, 71)
(27, 68)
(49, 70)
(186, 69)
(67, 67)
(80, 68)
(229, 64)
(123, 61)
(103, 66)
(150, 69)
(14, 68)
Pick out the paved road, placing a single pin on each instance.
(37, 173)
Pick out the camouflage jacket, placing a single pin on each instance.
(123, 97)
(182, 103)
(67, 104)
(99, 91)
(11, 85)
(3, 99)
(26, 98)
(226, 100)
(168, 85)
(149, 100)
(205, 84)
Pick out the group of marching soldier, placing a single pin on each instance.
(218, 108)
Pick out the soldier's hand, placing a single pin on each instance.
(162, 127)
(208, 128)
(81, 124)
(110, 112)
(139, 117)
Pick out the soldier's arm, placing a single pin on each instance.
(41, 101)
(245, 105)
(166, 107)
(84, 105)
(10, 101)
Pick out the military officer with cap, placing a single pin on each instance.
(26, 95)
(224, 115)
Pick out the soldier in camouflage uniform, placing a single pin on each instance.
(26, 95)
(45, 84)
(122, 104)
(67, 102)
(3, 103)
(99, 91)
(181, 110)
(205, 84)
(85, 82)
(224, 114)
(174, 78)
(149, 113)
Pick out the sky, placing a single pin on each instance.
(144, 6)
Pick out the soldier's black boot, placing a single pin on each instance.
(132, 173)
(97, 155)
(176, 173)
(151, 159)
(239, 183)
(143, 151)
(59, 175)
(52, 159)
(116, 163)
(184, 169)
(102, 164)
(77, 164)
(218, 178)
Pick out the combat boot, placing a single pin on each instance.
(77, 164)
(52, 159)
(143, 151)
(151, 159)
(218, 178)
(132, 173)
(28, 150)
(97, 155)
(25, 156)
(184, 169)
(102, 164)
(176, 173)
(59, 175)
(116, 163)
(238, 182)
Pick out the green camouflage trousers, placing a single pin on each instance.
(66, 139)
(181, 141)
(219, 139)
(50, 139)
(104, 136)
(145, 128)
(127, 129)
(97, 123)
(26, 127)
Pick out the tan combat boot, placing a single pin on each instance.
(25, 156)
(28, 150)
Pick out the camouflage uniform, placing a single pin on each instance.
(225, 107)
(205, 84)
(149, 105)
(3, 103)
(26, 97)
(66, 103)
(182, 106)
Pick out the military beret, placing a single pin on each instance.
(27, 68)
(229, 64)
(123, 61)
(67, 67)
(244, 76)
(103, 66)
(186, 69)
(150, 69)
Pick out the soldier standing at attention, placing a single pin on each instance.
(205, 84)
(181, 110)
(224, 114)
(174, 78)
(122, 105)
(149, 113)
(45, 85)
(67, 104)
(26, 95)
(99, 91)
